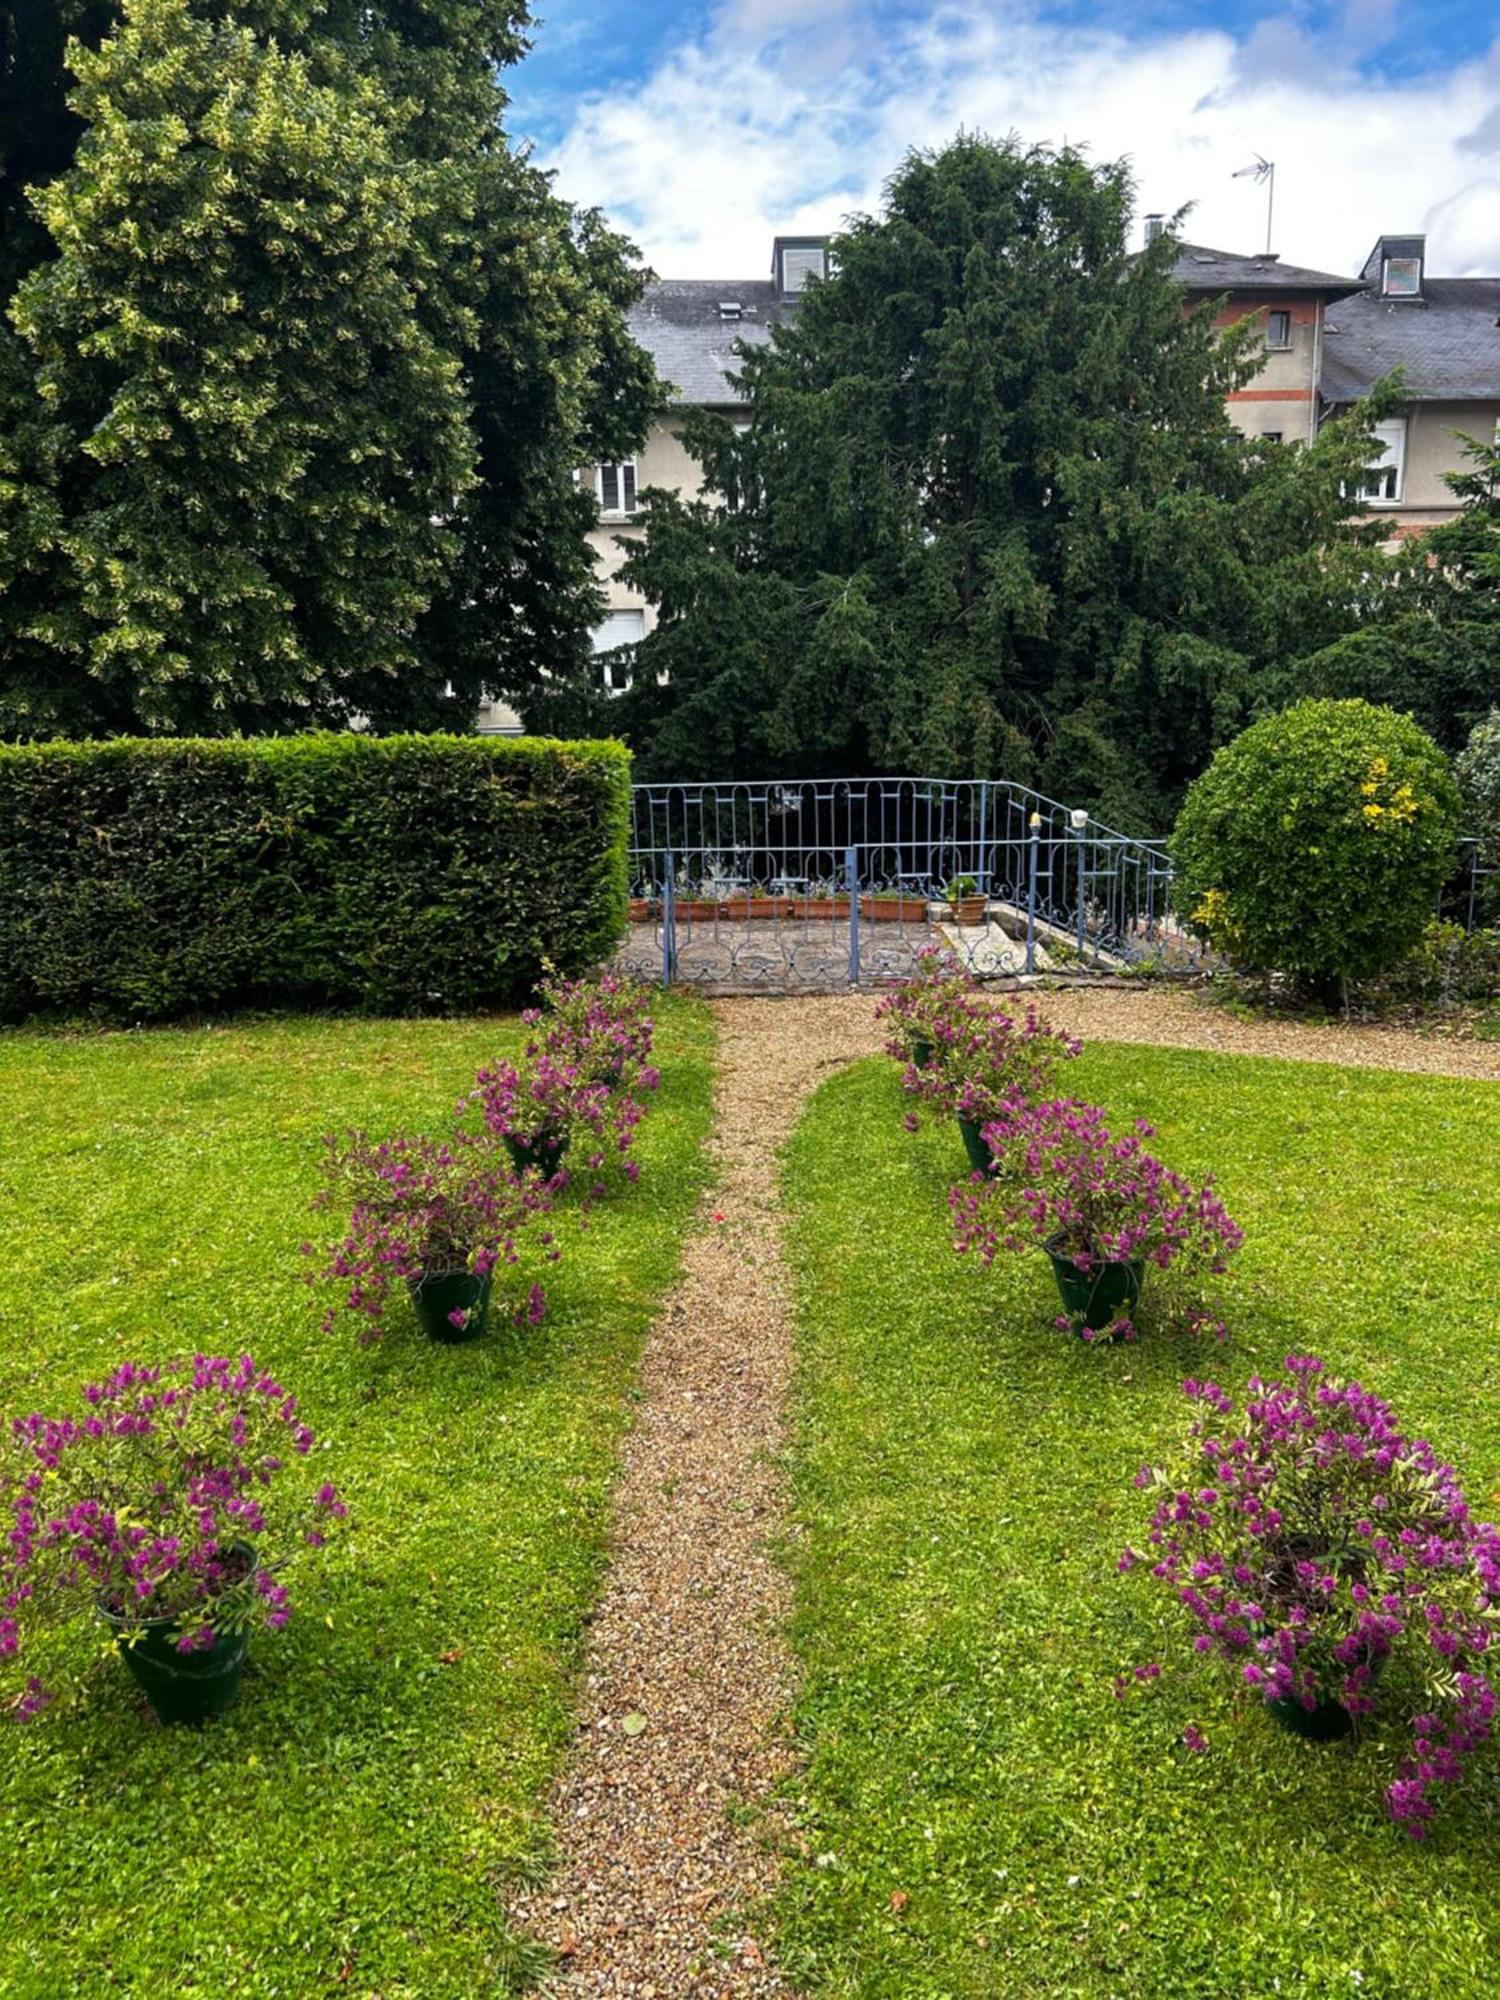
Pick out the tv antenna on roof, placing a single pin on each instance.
(1263, 170)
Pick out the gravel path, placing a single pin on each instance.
(689, 1679)
(1179, 1018)
(683, 1712)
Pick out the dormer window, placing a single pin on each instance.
(1401, 278)
(795, 259)
(614, 489)
(731, 309)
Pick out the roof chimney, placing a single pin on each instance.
(1153, 227)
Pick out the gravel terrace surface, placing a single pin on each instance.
(1180, 1018)
(683, 1717)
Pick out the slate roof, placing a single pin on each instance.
(1447, 342)
(1213, 271)
(680, 324)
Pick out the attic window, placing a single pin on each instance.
(799, 262)
(731, 309)
(1401, 278)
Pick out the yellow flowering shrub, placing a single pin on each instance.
(1316, 843)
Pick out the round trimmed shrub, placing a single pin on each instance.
(1316, 843)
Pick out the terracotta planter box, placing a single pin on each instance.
(756, 909)
(641, 909)
(690, 911)
(969, 909)
(830, 908)
(892, 909)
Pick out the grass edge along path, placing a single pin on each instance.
(977, 1813)
(351, 1828)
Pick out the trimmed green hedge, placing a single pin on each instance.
(398, 874)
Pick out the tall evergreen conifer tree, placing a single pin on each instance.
(988, 516)
(1429, 643)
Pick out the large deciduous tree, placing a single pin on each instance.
(300, 355)
(988, 516)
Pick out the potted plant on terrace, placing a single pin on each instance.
(892, 906)
(1309, 1543)
(825, 904)
(439, 1216)
(1103, 1209)
(171, 1507)
(966, 902)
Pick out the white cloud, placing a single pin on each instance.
(786, 115)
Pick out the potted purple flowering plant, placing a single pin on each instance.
(992, 1063)
(555, 1100)
(599, 1026)
(936, 993)
(168, 1506)
(1311, 1542)
(1104, 1209)
(441, 1217)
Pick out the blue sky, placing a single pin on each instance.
(703, 128)
(592, 45)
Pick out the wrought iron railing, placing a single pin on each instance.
(810, 880)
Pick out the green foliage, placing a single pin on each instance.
(962, 1478)
(143, 880)
(356, 1823)
(1447, 966)
(1478, 772)
(988, 516)
(1317, 842)
(300, 358)
(1429, 638)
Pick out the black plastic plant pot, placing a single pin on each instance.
(1093, 1298)
(181, 1687)
(544, 1152)
(1328, 1722)
(921, 1054)
(981, 1159)
(440, 1294)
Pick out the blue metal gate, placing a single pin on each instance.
(806, 883)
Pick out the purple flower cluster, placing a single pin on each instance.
(580, 1079)
(1314, 1540)
(598, 1026)
(918, 1009)
(1064, 1182)
(982, 1060)
(155, 1503)
(419, 1207)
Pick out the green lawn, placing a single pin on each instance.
(963, 1481)
(350, 1827)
